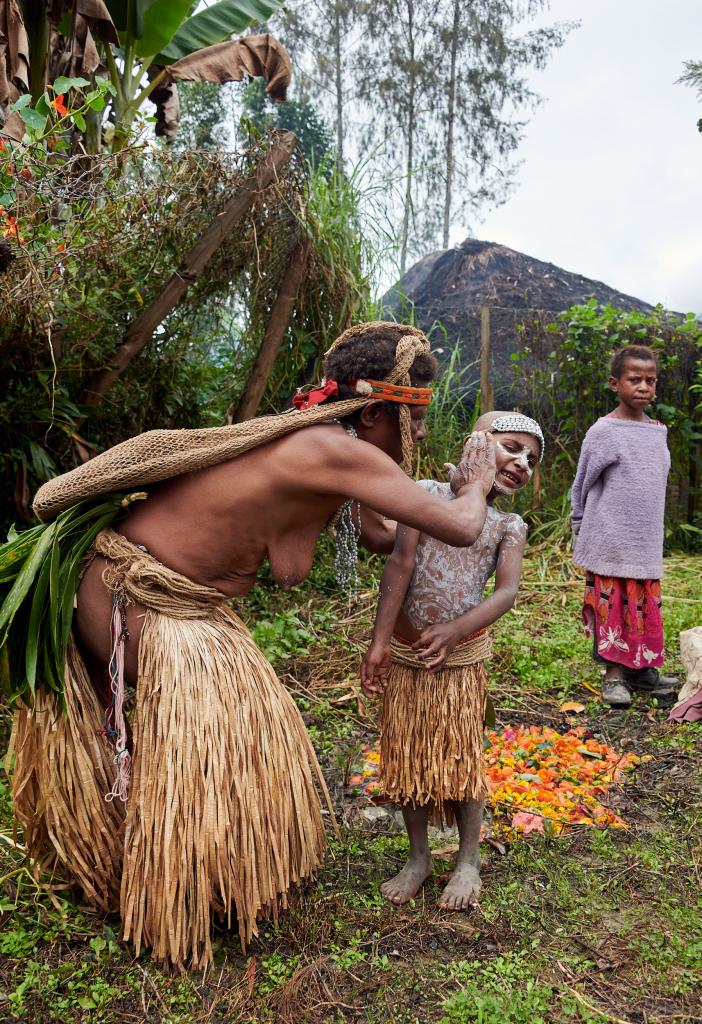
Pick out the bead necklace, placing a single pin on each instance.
(347, 534)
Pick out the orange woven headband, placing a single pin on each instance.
(392, 392)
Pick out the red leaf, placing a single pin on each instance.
(527, 823)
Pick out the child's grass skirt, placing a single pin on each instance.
(624, 616)
(431, 736)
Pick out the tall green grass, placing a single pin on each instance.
(454, 409)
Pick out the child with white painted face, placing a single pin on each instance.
(426, 659)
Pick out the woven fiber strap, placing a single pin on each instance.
(139, 578)
(470, 651)
(162, 454)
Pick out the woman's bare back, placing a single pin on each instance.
(217, 526)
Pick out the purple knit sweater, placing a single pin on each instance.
(618, 499)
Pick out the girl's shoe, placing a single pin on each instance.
(616, 693)
(650, 681)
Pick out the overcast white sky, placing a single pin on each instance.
(611, 185)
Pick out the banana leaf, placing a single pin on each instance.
(214, 24)
(40, 571)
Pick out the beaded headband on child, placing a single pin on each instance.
(518, 423)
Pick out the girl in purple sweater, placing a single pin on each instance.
(618, 503)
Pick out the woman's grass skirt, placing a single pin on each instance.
(223, 813)
(61, 768)
(431, 732)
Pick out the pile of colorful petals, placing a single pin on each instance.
(537, 774)
(537, 777)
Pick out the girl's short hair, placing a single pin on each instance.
(620, 357)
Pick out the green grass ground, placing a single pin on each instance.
(589, 927)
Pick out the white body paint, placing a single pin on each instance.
(521, 457)
(503, 488)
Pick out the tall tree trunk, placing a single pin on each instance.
(410, 136)
(140, 331)
(36, 23)
(338, 88)
(275, 333)
(450, 121)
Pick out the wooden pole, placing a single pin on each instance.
(487, 398)
(275, 333)
(141, 330)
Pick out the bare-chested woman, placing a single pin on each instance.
(219, 525)
(222, 811)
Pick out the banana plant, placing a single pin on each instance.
(144, 46)
(162, 41)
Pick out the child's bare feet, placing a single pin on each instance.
(463, 890)
(407, 883)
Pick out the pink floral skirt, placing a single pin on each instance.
(625, 618)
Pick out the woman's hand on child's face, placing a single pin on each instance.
(477, 463)
(374, 669)
(435, 644)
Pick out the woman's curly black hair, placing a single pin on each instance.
(371, 354)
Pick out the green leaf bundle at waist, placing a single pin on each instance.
(40, 571)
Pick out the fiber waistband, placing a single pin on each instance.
(476, 647)
(139, 578)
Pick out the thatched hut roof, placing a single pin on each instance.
(451, 286)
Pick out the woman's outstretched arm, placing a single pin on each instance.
(352, 468)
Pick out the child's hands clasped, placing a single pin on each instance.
(374, 669)
(477, 463)
(435, 644)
